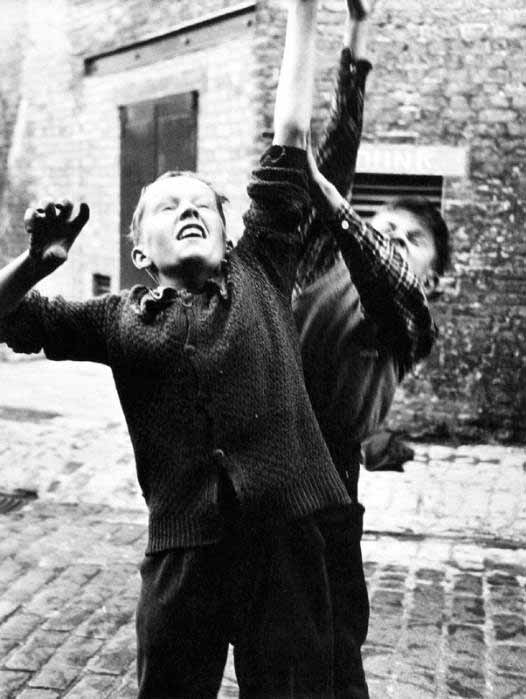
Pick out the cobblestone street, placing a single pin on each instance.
(444, 552)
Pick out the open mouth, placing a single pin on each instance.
(191, 230)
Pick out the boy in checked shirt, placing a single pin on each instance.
(241, 490)
(361, 307)
(361, 297)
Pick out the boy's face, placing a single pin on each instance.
(181, 226)
(412, 238)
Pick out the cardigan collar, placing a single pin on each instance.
(148, 302)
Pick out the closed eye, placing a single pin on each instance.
(415, 237)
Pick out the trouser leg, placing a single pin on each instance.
(182, 624)
(342, 531)
(284, 644)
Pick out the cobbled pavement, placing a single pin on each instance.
(444, 552)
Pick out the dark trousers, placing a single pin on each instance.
(292, 601)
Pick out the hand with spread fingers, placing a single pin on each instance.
(52, 229)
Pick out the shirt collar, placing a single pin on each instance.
(149, 301)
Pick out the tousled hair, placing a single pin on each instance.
(432, 219)
(135, 226)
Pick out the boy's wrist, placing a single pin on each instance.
(35, 268)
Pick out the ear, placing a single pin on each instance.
(431, 284)
(140, 259)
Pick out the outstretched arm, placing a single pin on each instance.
(52, 231)
(293, 107)
(279, 189)
(30, 322)
(338, 148)
(337, 151)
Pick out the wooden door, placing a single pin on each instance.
(156, 136)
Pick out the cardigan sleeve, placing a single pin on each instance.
(279, 201)
(75, 330)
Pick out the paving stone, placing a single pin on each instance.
(377, 688)
(6, 646)
(499, 579)
(507, 600)
(105, 622)
(465, 682)
(38, 694)
(468, 610)
(11, 681)
(466, 641)
(369, 568)
(56, 675)
(509, 658)
(378, 661)
(9, 571)
(430, 574)
(508, 687)
(25, 587)
(468, 584)
(19, 625)
(116, 655)
(388, 601)
(392, 580)
(127, 688)
(428, 603)
(7, 608)
(384, 634)
(126, 534)
(69, 618)
(35, 652)
(423, 645)
(414, 682)
(509, 627)
(93, 687)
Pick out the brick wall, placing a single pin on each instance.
(445, 74)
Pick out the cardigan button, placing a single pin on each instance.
(218, 454)
(345, 225)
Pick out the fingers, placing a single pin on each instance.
(29, 220)
(48, 211)
(81, 218)
(65, 207)
(77, 223)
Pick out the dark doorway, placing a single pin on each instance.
(156, 136)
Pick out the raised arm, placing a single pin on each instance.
(293, 107)
(390, 293)
(52, 231)
(279, 189)
(338, 148)
(337, 151)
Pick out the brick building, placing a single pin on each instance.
(96, 96)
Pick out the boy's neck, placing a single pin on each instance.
(192, 278)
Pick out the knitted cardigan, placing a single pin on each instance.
(209, 383)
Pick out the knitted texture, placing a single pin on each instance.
(209, 385)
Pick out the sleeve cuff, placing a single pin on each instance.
(348, 62)
(284, 157)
